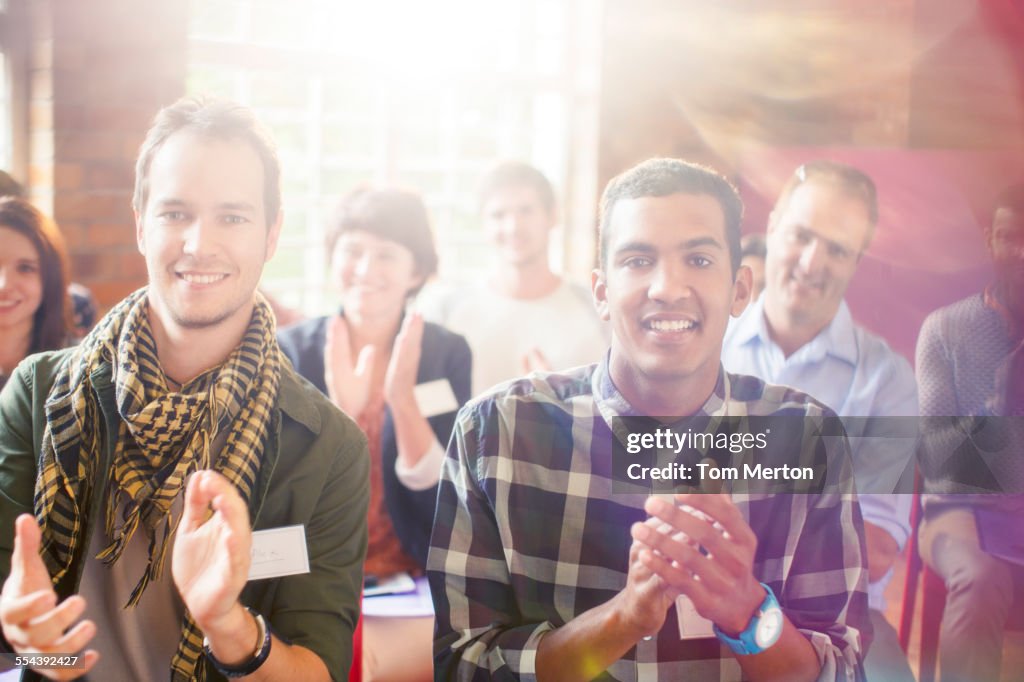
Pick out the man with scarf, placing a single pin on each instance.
(176, 427)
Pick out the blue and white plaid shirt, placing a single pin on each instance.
(529, 534)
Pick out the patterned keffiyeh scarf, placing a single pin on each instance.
(163, 437)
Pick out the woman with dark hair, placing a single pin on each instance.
(402, 379)
(33, 284)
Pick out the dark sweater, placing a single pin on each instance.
(959, 351)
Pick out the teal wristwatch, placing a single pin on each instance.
(761, 632)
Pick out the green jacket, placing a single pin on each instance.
(315, 474)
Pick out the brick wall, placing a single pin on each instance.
(680, 77)
(100, 69)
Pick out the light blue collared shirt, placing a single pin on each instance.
(856, 374)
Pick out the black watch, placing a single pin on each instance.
(261, 653)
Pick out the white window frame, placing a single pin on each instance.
(566, 152)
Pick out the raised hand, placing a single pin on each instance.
(533, 360)
(212, 551)
(400, 379)
(720, 580)
(645, 600)
(32, 621)
(348, 382)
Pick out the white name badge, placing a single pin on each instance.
(278, 552)
(692, 625)
(435, 397)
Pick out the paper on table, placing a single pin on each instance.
(415, 604)
(399, 583)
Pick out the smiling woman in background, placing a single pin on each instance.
(370, 358)
(33, 284)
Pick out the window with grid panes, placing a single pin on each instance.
(424, 95)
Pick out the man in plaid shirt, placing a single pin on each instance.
(542, 570)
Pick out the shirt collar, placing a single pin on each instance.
(836, 339)
(294, 400)
(611, 403)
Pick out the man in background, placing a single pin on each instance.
(523, 317)
(970, 363)
(800, 333)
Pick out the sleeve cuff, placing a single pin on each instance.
(889, 512)
(425, 473)
(528, 654)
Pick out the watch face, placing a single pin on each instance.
(769, 627)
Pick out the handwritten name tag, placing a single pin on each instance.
(692, 625)
(435, 397)
(278, 552)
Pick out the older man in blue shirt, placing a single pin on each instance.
(800, 333)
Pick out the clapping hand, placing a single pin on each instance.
(212, 551)
(32, 621)
(348, 382)
(646, 598)
(719, 580)
(533, 360)
(400, 379)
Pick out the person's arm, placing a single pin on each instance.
(884, 461)
(588, 644)
(882, 549)
(825, 594)
(457, 369)
(942, 430)
(17, 459)
(210, 565)
(413, 434)
(710, 559)
(235, 639)
(31, 621)
(325, 485)
(480, 632)
(347, 378)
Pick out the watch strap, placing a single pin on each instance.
(745, 643)
(260, 653)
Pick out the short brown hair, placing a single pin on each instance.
(390, 213)
(215, 118)
(661, 177)
(516, 174)
(853, 181)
